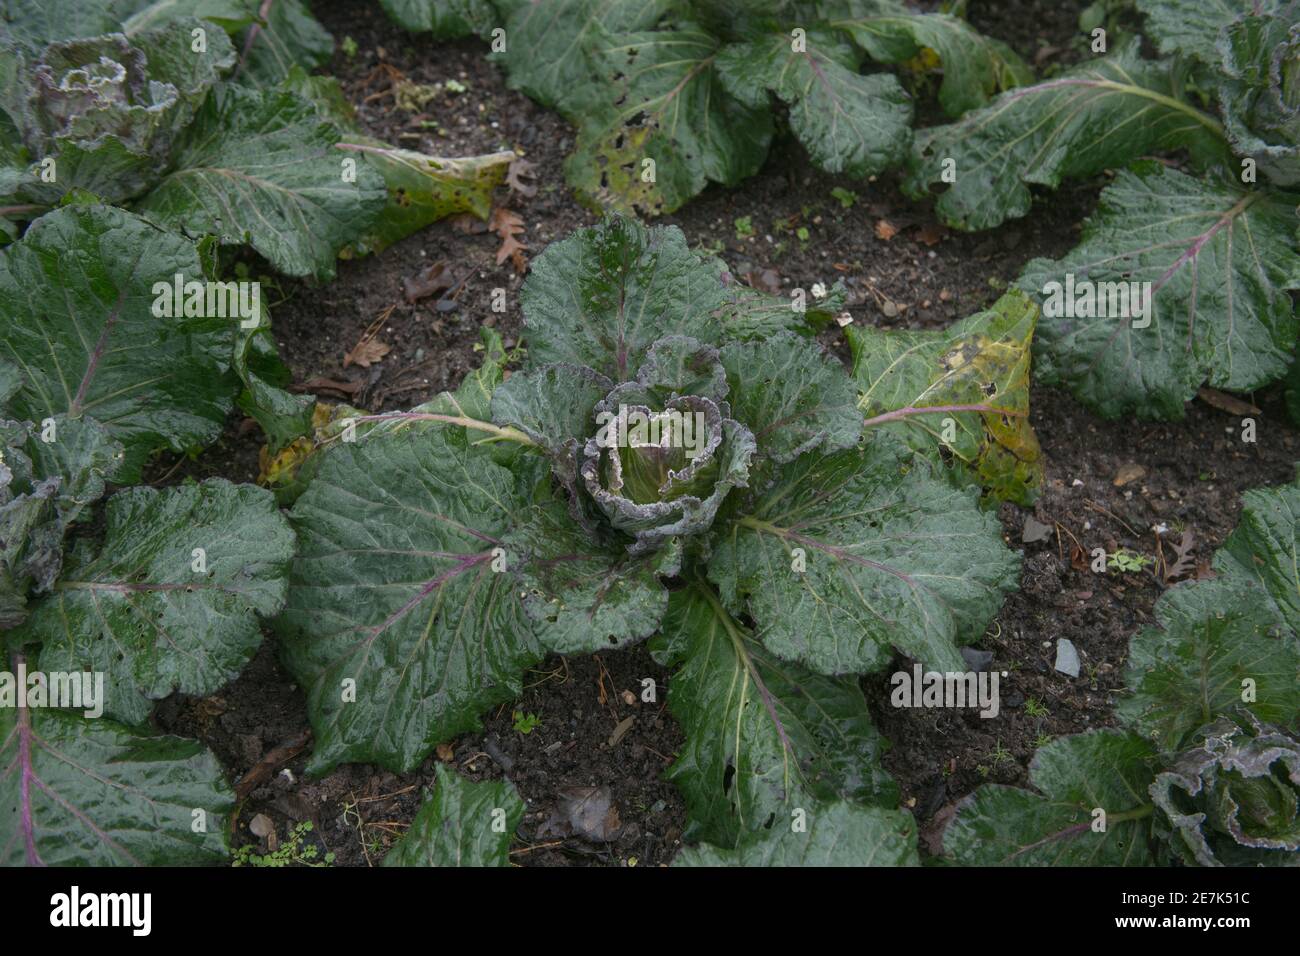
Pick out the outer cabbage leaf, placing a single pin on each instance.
(763, 736)
(260, 168)
(846, 556)
(1264, 545)
(153, 615)
(77, 792)
(975, 67)
(462, 824)
(667, 106)
(1219, 262)
(1093, 117)
(1108, 770)
(399, 626)
(76, 316)
(838, 834)
(848, 122)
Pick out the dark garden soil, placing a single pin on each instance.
(903, 270)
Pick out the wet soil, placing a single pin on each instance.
(921, 276)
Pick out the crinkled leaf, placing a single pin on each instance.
(837, 834)
(1233, 798)
(848, 122)
(1218, 261)
(792, 396)
(603, 296)
(447, 19)
(982, 360)
(554, 405)
(110, 108)
(1260, 94)
(1213, 637)
(82, 454)
(150, 613)
(763, 736)
(975, 67)
(283, 415)
(1109, 770)
(462, 824)
(1095, 116)
(892, 556)
(667, 107)
(398, 627)
(260, 168)
(77, 792)
(1264, 545)
(76, 299)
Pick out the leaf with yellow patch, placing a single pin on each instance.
(981, 361)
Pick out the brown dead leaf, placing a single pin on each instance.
(767, 280)
(932, 233)
(1225, 402)
(467, 223)
(508, 225)
(366, 353)
(322, 384)
(445, 753)
(433, 279)
(521, 169)
(885, 230)
(1078, 558)
(1128, 473)
(1184, 564)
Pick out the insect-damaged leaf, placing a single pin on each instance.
(260, 168)
(670, 128)
(553, 51)
(837, 833)
(843, 557)
(1218, 262)
(763, 736)
(982, 360)
(1096, 116)
(76, 316)
(1108, 770)
(462, 824)
(847, 121)
(398, 625)
(79, 792)
(172, 599)
(975, 67)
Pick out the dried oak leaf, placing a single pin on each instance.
(366, 352)
(521, 169)
(507, 225)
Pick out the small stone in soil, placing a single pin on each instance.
(1067, 658)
